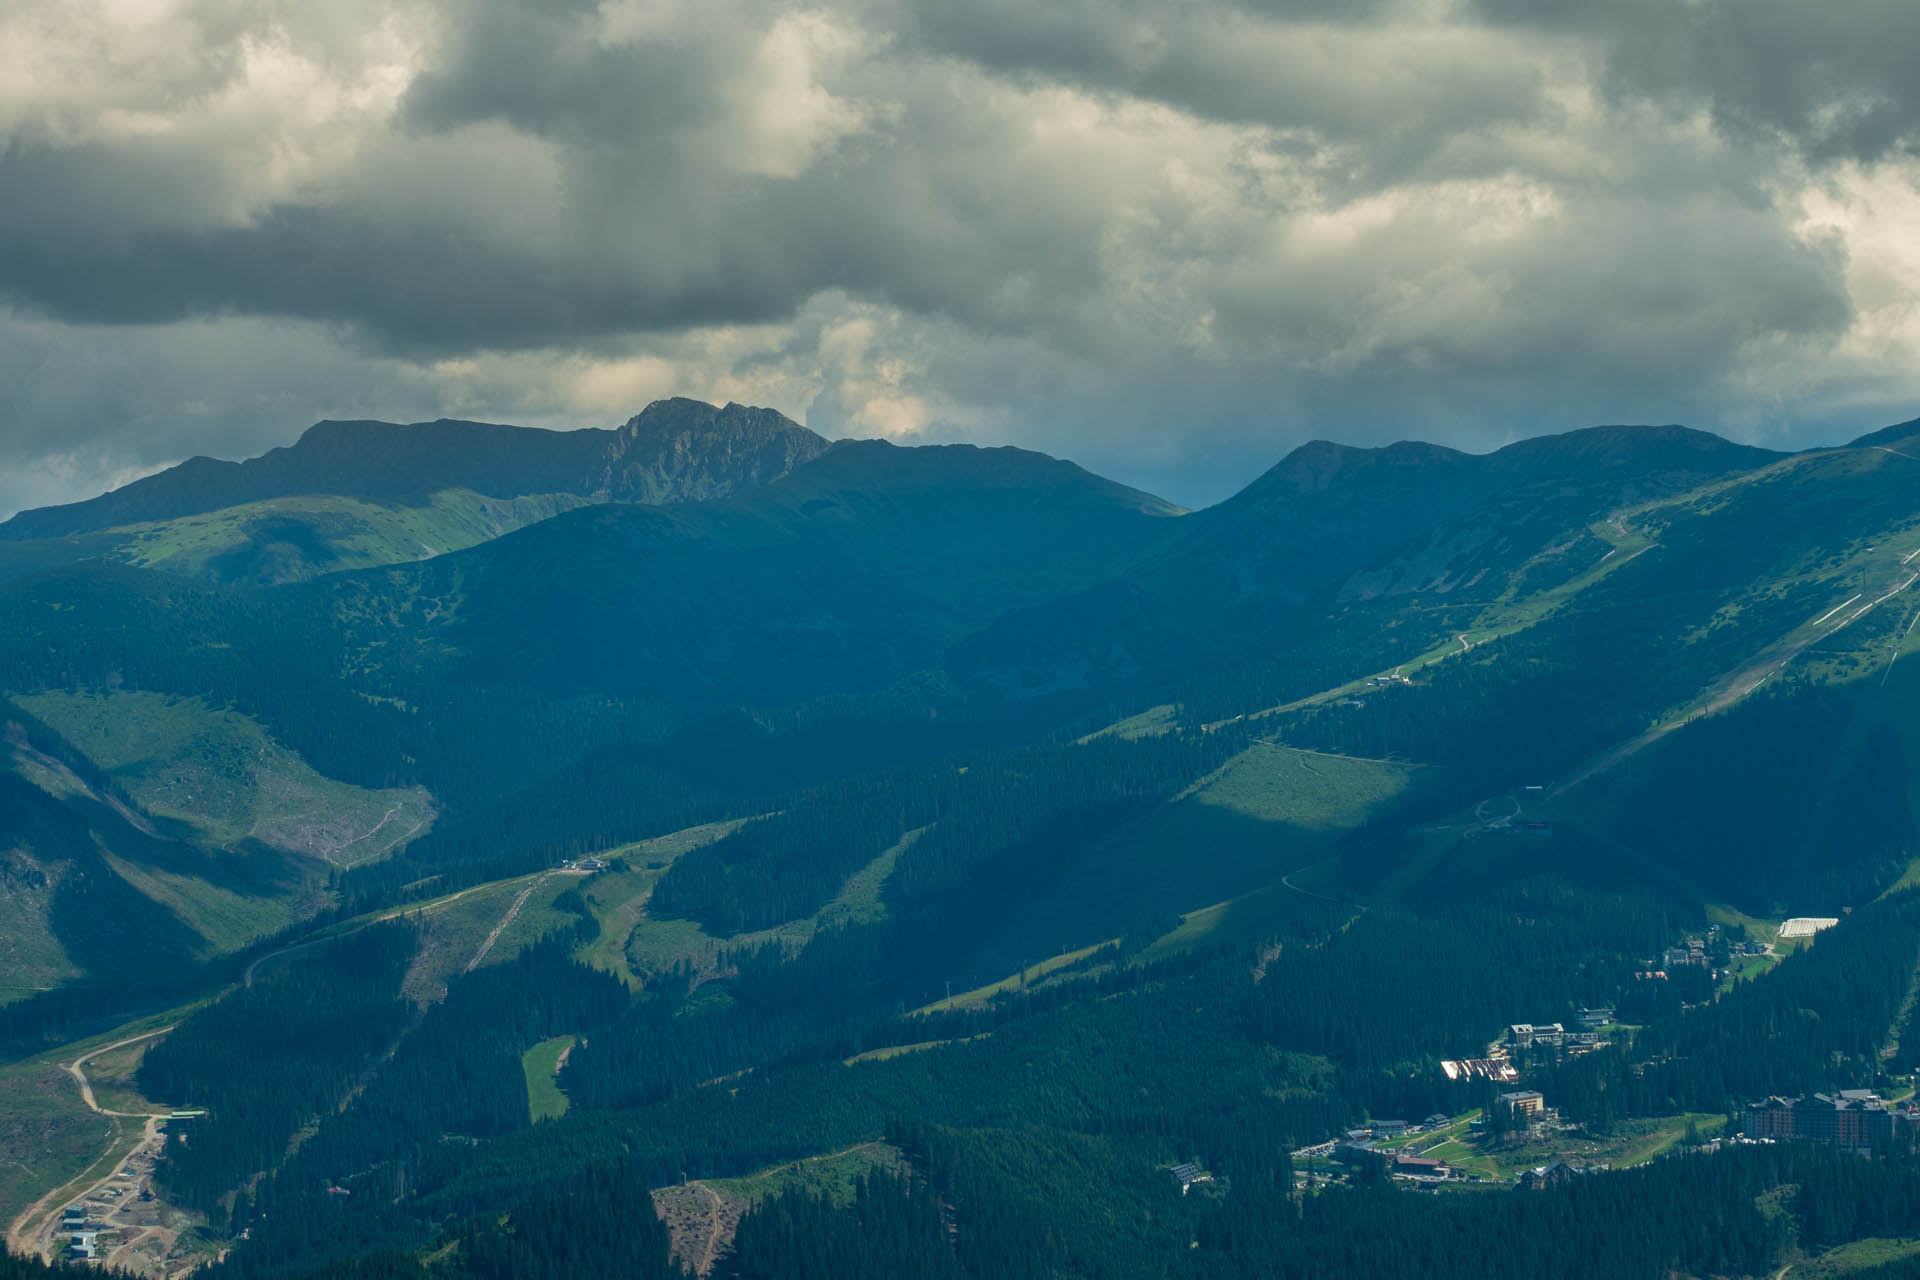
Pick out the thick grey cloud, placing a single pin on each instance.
(1834, 79)
(1170, 241)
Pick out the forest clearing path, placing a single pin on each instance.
(513, 911)
(246, 979)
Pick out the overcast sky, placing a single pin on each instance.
(1168, 240)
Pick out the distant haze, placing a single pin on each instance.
(1169, 243)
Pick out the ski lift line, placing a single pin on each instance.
(1893, 654)
(1837, 608)
(1863, 611)
(1871, 605)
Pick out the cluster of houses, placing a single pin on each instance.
(1360, 1148)
(1852, 1119)
(1420, 1170)
(1690, 953)
(1696, 953)
(1557, 1174)
(1528, 1036)
(1531, 1037)
(93, 1228)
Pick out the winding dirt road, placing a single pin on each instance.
(28, 1230)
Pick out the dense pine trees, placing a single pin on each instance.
(271, 1057)
(894, 1229)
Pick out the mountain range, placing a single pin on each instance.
(842, 729)
(674, 451)
(705, 586)
(348, 494)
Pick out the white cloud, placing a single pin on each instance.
(1167, 245)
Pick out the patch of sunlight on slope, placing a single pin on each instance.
(1857, 1256)
(653, 946)
(1305, 789)
(1032, 976)
(223, 775)
(227, 919)
(327, 533)
(1217, 854)
(1154, 722)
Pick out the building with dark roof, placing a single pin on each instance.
(1853, 1119)
(1186, 1175)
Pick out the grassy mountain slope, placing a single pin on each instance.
(142, 834)
(1720, 708)
(217, 773)
(854, 571)
(1524, 612)
(1892, 435)
(576, 680)
(1241, 570)
(282, 540)
(93, 889)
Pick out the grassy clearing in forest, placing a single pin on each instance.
(1307, 790)
(545, 1100)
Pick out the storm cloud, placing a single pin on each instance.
(1170, 241)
